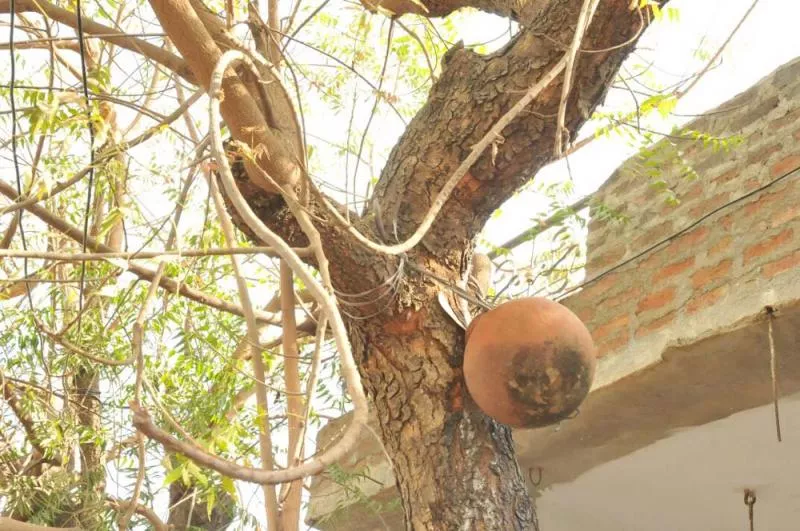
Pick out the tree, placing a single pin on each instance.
(488, 123)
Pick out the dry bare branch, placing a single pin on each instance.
(68, 18)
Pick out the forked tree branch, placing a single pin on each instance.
(273, 151)
(157, 523)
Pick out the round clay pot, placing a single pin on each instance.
(529, 362)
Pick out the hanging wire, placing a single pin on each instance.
(14, 128)
(87, 213)
(18, 174)
(389, 289)
(773, 366)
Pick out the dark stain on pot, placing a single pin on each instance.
(547, 385)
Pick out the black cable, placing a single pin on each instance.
(14, 146)
(680, 232)
(87, 214)
(18, 175)
(14, 122)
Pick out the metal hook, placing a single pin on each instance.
(750, 501)
(538, 481)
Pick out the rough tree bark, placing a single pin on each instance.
(185, 513)
(455, 467)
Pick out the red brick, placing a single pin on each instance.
(689, 240)
(709, 204)
(691, 151)
(706, 275)
(785, 166)
(707, 299)
(751, 184)
(656, 299)
(617, 323)
(655, 324)
(630, 295)
(754, 138)
(765, 201)
(763, 154)
(644, 198)
(654, 259)
(786, 263)
(585, 313)
(607, 259)
(722, 245)
(768, 245)
(653, 235)
(728, 220)
(612, 344)
(697, 189)
(788, 119)
(785, 215)
(597, 289)
(673, 269)
(726, 177)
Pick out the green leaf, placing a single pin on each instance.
(211, 500)
(172, 475)
(228, 485)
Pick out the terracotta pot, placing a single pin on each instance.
(529, 362)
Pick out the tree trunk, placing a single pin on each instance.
(91, 505)
(455, 467)
(187, 513)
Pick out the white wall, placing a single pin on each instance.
(693, 480)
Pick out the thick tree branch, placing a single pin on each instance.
(470, 97)
(161, 56)
(273, 150)
(440, 8)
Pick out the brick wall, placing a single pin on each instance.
(719, 272)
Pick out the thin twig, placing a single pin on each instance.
(145, 273)
(584, 19)
(378, 96)
(719, 51)
(65, 256)
(25, 202)
(259, 372)
(291, 492)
